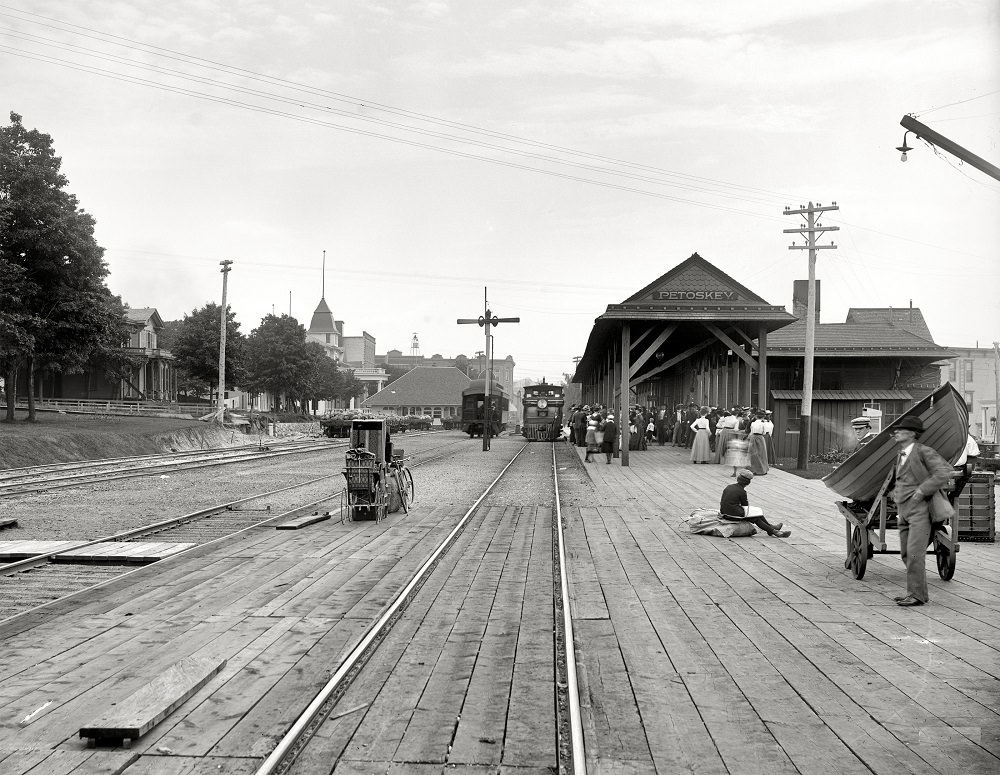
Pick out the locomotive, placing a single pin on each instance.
(543, 412)
(474, 408)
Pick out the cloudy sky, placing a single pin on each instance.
(561, 154)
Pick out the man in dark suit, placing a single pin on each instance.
(920, 472)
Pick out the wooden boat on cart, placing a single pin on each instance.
(865, 478)
(946, 429)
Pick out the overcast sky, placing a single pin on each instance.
(562, 154)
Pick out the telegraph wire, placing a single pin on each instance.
(950, 104)
(361, 103)
(366, 133)
(394, 125)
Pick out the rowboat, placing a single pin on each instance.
(946, 430)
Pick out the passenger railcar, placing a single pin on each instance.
(474, 411)
(543, 412)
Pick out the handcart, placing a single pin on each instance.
(366, 493)
(377, 480)
(866, 534)
(865, 477)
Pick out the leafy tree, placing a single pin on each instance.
(196, 349)
(278, 360)
(56, 313)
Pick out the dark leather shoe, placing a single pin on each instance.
(909, 600)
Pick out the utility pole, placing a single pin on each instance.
(222, 343)
(996, 385)
(809, 230)
(486, 322)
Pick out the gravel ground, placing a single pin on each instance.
(93, 511)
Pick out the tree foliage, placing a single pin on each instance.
(282, 361)
(195, 346)
(56, 313)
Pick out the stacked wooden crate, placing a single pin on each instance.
(977, 509)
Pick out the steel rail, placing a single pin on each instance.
(79, 480)
(30, 562)
(23, 471)
(572, 687)
(42, 559)
(285, 745)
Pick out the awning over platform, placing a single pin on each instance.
(844, 395)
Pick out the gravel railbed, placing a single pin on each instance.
(92, 511)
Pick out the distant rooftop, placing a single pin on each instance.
(908, 318)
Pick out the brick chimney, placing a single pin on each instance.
(800, 296)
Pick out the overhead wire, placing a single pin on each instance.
(358, 102)
(752, 194)
(394, 125)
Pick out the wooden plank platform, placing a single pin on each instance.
(124, 552)
(12, 551)
(694, 653)
(765, 655)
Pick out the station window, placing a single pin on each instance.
(793, 417)
(437, 412)
(968, 400)
(969, 370)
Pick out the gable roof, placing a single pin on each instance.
(423, 386)
(689, 282)
(692, 294)
(144, 315)
(859, 340)
(909, 318)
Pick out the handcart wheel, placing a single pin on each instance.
(857, 560)
(945, 560)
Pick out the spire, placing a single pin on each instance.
(322, 294)
(415, 345)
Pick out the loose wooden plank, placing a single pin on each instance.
(141, 711)
(300, 522)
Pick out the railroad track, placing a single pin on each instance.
(43, 478)
(308, 741)
(23, 481)
(50, 576)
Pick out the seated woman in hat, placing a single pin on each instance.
(734, 505)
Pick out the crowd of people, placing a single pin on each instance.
(739, 437)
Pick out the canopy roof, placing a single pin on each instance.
(691, 295)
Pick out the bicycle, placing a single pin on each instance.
(403, 478)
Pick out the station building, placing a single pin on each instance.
(433, 391)
(696, 335)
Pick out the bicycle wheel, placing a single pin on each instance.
(407, 478)
(397, 478)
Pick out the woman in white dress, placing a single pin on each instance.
(701, 447)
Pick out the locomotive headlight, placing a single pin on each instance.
(542, 403)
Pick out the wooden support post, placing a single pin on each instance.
(623, 417)
(763, 399)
